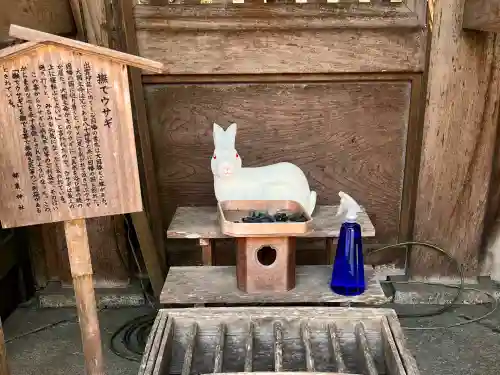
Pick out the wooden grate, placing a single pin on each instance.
(250, 340)
(282, 2)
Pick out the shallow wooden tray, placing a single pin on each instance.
(229, 211)
(285, 340)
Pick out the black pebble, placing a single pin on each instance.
(264, 217)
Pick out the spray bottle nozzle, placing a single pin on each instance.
(348, 205)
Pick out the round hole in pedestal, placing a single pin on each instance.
(266, 255)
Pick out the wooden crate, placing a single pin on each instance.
(364, 341)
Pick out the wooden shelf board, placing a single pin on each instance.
(217, 285)
(202, 222)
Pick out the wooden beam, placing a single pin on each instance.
(154, 264)
(260, 16)
(460, 125)
(147, 170)
(111, 17)
(77, 10)
(482, 15)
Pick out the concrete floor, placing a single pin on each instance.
(57, 350)
(469, 350)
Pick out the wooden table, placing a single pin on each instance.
(200, 286)
(202, 223)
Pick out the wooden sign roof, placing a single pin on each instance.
(67, 147)
(37, 38)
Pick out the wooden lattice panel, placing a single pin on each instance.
(284, 340)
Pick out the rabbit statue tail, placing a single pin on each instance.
(312, 203)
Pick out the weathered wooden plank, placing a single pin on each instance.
(147, 171)
(282, 78)
(249, 348)
(188, 356)
(202, 222)
(219, 349)
(407, 358)
(190, 285)
(336, 348)
(346, 124)
(120, 57)
(51, 16)
(278, 346)
(266, 17)
(390, 350)
(154, 264)
(482, 15)
(453, 186)
(164, 353)
(149, 356)
(365, 353)
(282, 51)
(305, 332)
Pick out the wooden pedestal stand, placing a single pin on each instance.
(265, 264)
(210, 285)
(67, 150)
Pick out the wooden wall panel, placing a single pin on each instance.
(345, 135)
(52, 16)
(324, 51)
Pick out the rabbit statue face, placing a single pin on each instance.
(225, 160)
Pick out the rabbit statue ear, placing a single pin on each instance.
(218, 133)
(231, 134)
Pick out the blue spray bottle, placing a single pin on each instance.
(348, 275)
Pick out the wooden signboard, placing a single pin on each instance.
(67, 149)
(67, 146)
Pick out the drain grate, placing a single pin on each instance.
(360, 341)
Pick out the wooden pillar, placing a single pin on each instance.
(109, 23)
(81, 271)
(460, 125)
(126, 23)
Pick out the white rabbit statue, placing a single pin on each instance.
(281, 181)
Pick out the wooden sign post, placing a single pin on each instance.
(67, 149)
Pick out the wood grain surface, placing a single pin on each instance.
(262, 339)
(334, 51)
(81, 272)
(482, 15)
(52, 16)
(202, 222)
(458, 143)
(209, 285)
(345, 136)
(273, 16)
(32, 35)
(68, 148)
